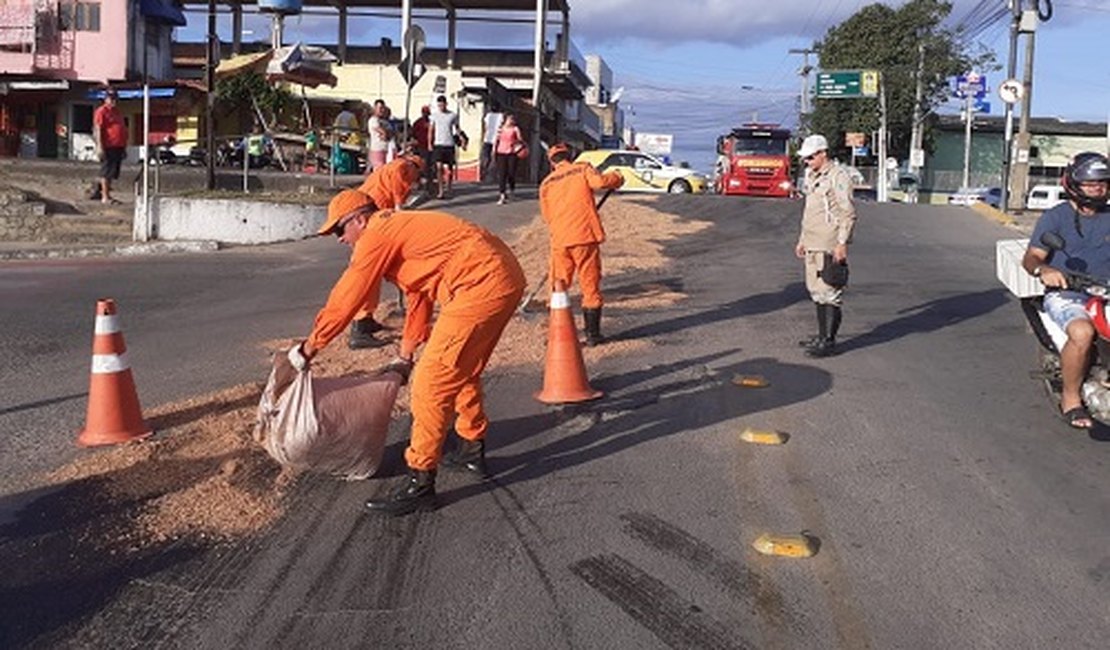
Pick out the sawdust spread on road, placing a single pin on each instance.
(203, 476)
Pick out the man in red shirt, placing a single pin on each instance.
(110, 133)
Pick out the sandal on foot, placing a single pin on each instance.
(1079, 418)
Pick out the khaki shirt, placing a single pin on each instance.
(829, 216)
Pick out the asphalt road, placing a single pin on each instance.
(953, 508)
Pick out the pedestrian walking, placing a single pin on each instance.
(828, 220)
(445, 128)
(110, 135)
(381, 133)
(435, 258)
(490, 126)
(567, 206)
(509, 145)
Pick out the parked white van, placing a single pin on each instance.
(1043, 197)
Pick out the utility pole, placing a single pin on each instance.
(1008, 149)
(967, 142)
(211, 59)
(803, 72)
(881, 192)
(916, 132)
(1020, 178)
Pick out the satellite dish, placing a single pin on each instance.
(616, 96)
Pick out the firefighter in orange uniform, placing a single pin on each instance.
(567, 205)
(388, 186)
(477, 281)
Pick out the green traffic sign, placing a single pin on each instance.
(847, 84)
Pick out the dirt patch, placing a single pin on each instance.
(203, 476)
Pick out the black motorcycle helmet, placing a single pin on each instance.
(1084, 168)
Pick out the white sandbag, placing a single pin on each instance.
(336, 425)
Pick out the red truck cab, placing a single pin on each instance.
(753, 160)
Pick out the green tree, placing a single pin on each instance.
(889, 40)
(241, 93)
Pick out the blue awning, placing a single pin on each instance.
(133, 93)
(162, 11)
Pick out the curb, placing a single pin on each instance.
(992, 213)
(111, 250)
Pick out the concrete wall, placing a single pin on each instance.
(226, 221)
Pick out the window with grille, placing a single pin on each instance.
(79, 16)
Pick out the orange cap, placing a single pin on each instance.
(344, 204)
(556, 149)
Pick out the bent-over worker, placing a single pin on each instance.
(568, 208)
(477, 281)
(388, 187)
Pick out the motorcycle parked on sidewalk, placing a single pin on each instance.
(1051, 337)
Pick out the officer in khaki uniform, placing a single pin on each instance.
(827, 223)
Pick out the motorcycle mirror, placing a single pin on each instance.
(1053, 241)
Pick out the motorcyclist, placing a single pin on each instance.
(1084, 225)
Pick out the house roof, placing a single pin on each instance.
(1037, 125)
(459, 5)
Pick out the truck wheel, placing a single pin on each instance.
(679, 187)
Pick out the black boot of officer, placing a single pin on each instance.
(822, 331)
(826, 347)
(592, 318)
(418, 492)
(362, 332)
(467, 456)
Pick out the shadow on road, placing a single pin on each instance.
(929, 317)
(754, 305)
(623, 420)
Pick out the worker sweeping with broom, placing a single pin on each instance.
(568, 208)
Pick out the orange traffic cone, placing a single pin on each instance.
(564, 374)
(114, 415)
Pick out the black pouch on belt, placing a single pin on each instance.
(833, 273)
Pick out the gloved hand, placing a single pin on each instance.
(297, 358)
(401, 366)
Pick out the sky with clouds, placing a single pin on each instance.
(695, 68)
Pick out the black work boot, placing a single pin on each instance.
(822, 328)
(467, 456)
(361, 335)
(592, 318)
(826, 347)
(418, 492)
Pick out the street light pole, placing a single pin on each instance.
(1011, 70)
(210, 84)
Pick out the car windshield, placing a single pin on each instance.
(758, 147)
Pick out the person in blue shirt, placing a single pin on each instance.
(1084, 224)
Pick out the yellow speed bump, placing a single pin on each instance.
(802, 545)
(751, 381)
(755, 436)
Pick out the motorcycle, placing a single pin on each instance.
(1096, 386)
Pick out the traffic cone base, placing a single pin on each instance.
(114, 414)
(564, 376)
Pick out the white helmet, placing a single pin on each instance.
(813, 144)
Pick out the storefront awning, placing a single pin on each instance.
(162, 11)
(134, 93)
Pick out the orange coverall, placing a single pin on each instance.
(388, 186)
(567, 206)
(476, 279)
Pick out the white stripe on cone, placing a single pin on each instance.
(108, 324)
(559, 300)
(106, 364)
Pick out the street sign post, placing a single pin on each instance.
(847, 84)
(412, 70)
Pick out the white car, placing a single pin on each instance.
(1044, 197)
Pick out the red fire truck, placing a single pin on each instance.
(753, 160)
